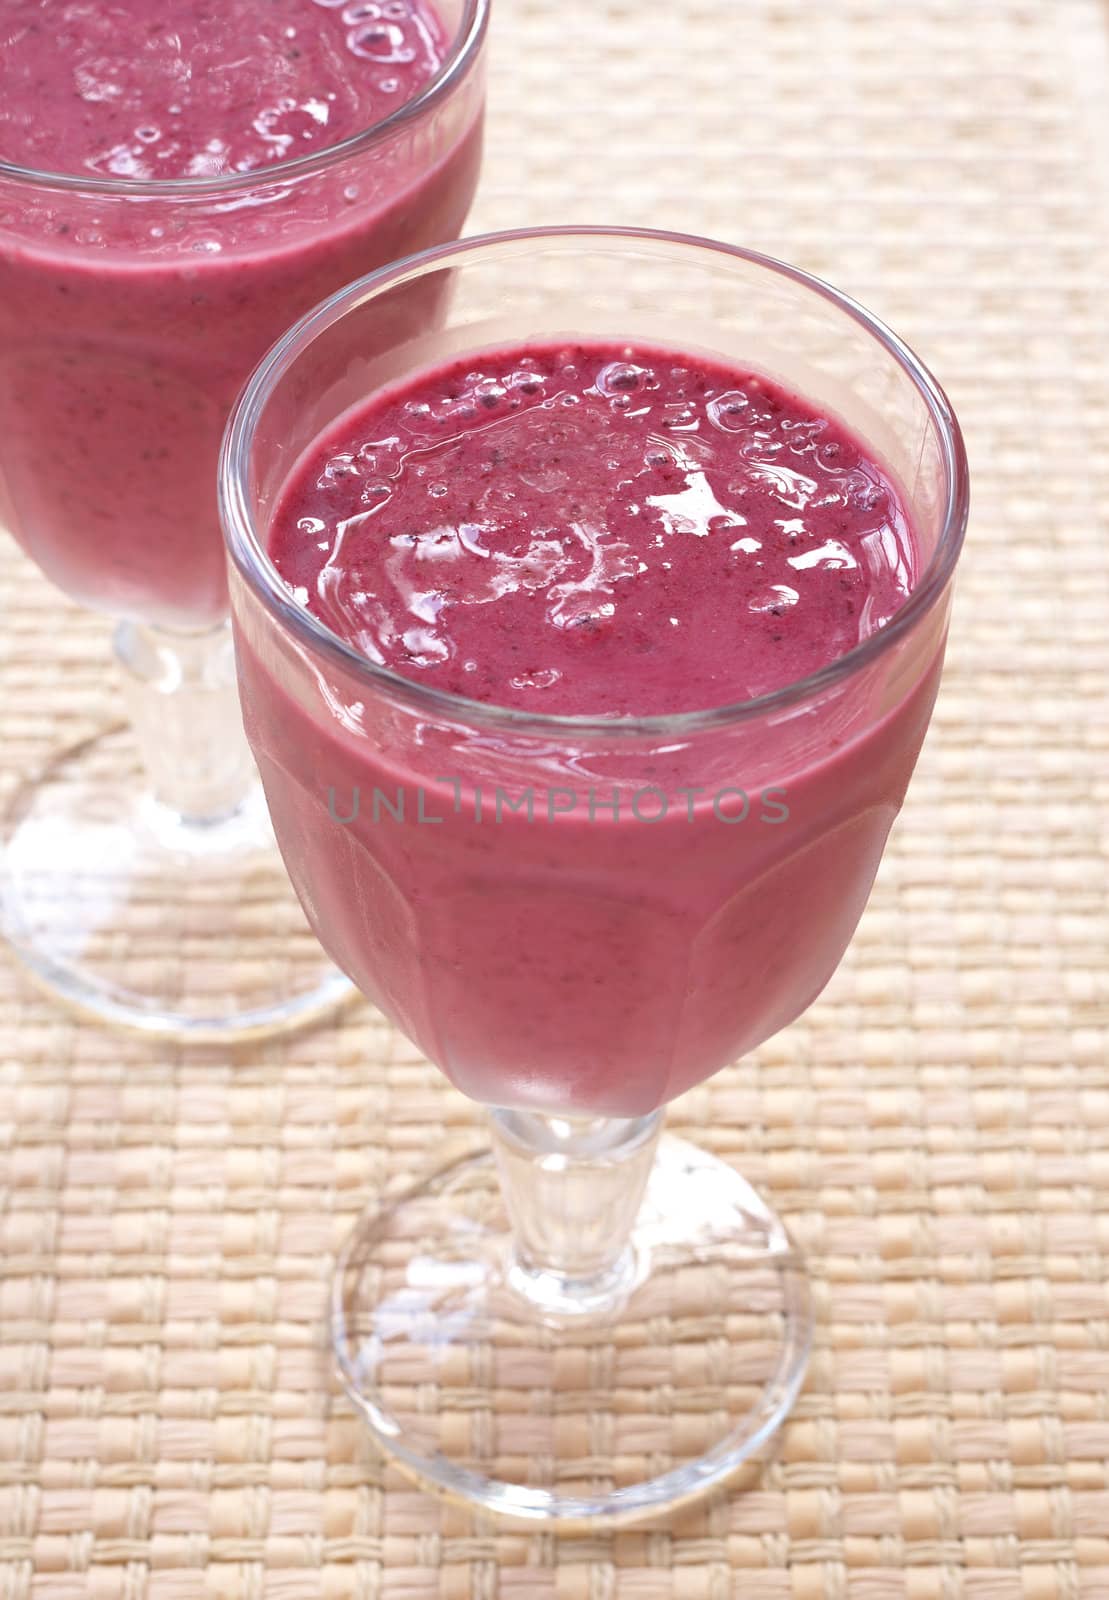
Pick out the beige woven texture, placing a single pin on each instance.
(936, 1129)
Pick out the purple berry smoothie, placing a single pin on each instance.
(591, 530)
(130, 318)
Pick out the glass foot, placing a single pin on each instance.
(186, 931)
(483, 1395)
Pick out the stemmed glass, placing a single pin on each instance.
(507, 1327)
(140, 880)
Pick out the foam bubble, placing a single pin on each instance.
(381, 42)
(489, 393)
(804, 436)
(866, 494)
(538, 472)
(773, 600)
(341, 466)
(622, 378)
(375, 454)
(541, 678)
(681, 416)
(730, 412)
(832, 456)
(525, 381)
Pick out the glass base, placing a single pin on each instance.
(186, 931)
(486, 1396)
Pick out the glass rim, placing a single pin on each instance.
(252, 559)
(467, 43)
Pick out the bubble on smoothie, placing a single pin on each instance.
(760, 448)
(489, 393)
(864, 493)
(122, 161)
(622, 378)
(362, 11)
(437, 491)
(339, 469)
(280, 126)
(526, 382)
(538, 471)
(417, 415)
(381, 42)
(539, 678)
(729, 411)
(773, 600)
(835, 456)
(660, 454)
(803, 436)
(680, 416)
(376, 455)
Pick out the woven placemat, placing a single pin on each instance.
(936, 1129)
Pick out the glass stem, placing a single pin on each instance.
(573, 1187)
(183, 705)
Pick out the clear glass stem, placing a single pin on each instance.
(183, 705)
(572, 1188)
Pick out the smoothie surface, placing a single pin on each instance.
(595, 529)
(201, 88)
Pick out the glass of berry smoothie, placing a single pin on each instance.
(179, 183)
(586, 645)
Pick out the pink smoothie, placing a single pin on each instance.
(129, 320)
(574, 923)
